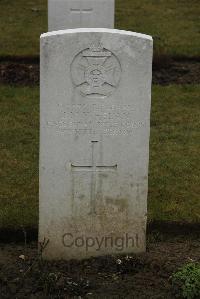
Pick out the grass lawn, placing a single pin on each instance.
(174, 155)
(174, 24)
(174, 189)
(19, 118)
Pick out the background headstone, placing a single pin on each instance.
(66, 14)
(94, 144)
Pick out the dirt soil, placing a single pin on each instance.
(23, 274)
(23, 72)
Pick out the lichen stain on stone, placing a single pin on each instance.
(81, 197)
(121, 204)
(46, 51)
(104, 175)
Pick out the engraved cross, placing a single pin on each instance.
(81, 13)
(94, 168)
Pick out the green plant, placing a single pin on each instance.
(186, 281)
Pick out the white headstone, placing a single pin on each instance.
(94, 146)
(67, 14)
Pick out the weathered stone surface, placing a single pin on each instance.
(68, 14)
(94, 143)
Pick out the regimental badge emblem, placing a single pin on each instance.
(96, 72)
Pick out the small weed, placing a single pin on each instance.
(186, 281)
(155, 237)
(49, 281)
